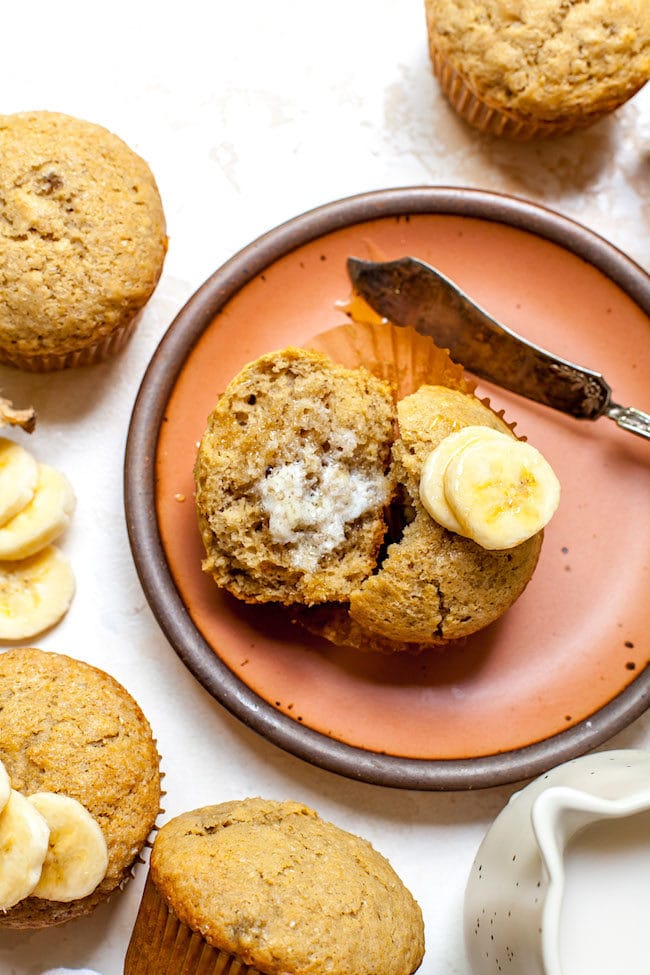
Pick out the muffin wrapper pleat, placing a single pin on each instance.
(491, 119)
(398, 355)
(89, 355)
(162, 945)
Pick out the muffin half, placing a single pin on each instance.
(292, 479)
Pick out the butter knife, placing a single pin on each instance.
(410, 292)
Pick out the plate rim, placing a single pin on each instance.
(146, 545)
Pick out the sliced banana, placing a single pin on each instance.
(18, 478)
(24, 837)
(5, 787)
(42, 520)
(432, 491)
(35, 593)
(501, 490)
(77, 857)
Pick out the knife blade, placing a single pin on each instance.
(409, 292)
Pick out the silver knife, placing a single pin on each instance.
(410, 292)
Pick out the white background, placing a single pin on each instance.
(250, 113)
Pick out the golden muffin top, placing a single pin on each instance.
(82, 233)
(287, 892)
(546, 58)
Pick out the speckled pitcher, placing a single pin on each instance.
(515, 891)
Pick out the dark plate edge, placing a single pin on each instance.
(139, 493)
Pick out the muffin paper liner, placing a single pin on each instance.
(398, 355)
(491, 119)
(162, 945)
(99, 351)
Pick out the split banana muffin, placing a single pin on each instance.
(270, 887)
(82, 241)
(448, 542)
(534, 68)
(79, 757)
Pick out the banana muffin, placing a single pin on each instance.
(292, 479)
(68, 728)
(272, 886)
(82, 241)
(534, 68)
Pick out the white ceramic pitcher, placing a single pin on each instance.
(516, 892)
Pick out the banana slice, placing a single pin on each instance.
(18, 478)
(35, 593)
(24, 837)
(77, 857)
(501, 490)
(5, 787)
(432, 491)
(45, 517)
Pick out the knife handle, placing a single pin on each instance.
(631, 419)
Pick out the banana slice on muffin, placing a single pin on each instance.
(24, 837)
(77, 855)
(497, 490)
(52, 848)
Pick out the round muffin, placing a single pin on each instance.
(533, 68)
(292, 479)
(272, 886)
(70, 728)
(433, 586)
(82, 241)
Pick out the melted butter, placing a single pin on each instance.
(309, 513)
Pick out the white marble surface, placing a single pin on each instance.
(249, 114)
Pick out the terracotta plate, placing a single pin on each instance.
(566, 667)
